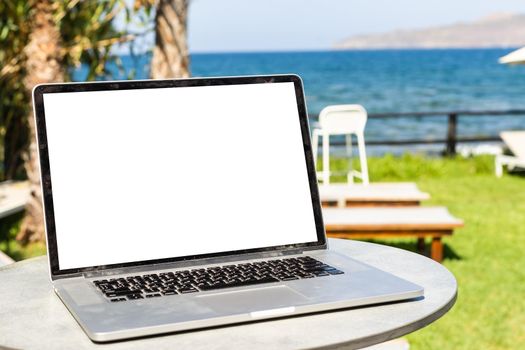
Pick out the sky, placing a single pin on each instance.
(294, 25)
(280, 25)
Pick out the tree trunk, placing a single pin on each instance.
(15, 142)
(170, 55)
(43, 65)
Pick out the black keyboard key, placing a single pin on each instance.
(153, 295)
(169, 292)
(104, 287)
(238, 284)
(134, 296)
(188, 290)
(120, 293)
(289, 278)
(114, 300)
(321, 273)
(118, 289)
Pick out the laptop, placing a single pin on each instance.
(173, 205)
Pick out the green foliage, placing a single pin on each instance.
(14, 35)
(87, 33)
(415, 167)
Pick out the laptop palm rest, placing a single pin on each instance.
(255, 301)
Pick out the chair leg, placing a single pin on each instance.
(498, 167)
(326, 159)
(350, 175)
(436, 249)
(362, 158)
(348, 141)
(421, 245)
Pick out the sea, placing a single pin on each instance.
(383, 81)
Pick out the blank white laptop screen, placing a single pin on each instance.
(170, 172)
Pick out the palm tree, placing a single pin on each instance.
(15, 28)
(62, 35)
(170, 55)
(43, 65)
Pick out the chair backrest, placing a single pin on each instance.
(516, 142)
(343, 119)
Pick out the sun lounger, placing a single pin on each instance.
(5, 259)
(375, 194)
(515, 140)
(13, 197)
(419, 222)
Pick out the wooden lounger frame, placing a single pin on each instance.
(439, 225)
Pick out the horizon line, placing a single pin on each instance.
(271, 51)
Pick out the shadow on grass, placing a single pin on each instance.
(516, 172)
(450, 254)
(411, 245)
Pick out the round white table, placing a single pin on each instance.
(33, 317)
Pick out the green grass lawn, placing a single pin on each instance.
(487, 256)
(490, 310)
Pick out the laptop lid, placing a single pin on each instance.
(148, 172)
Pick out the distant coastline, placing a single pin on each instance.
(422, 49)
(494, 31)
(501, 50)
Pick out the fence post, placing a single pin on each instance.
(451, 134)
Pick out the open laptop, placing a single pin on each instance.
(181, 204)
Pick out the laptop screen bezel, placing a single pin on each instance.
(47, 191)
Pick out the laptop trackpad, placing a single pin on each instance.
(255, 300)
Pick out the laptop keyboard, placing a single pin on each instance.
(212, 278)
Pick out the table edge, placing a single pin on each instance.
(397, 332)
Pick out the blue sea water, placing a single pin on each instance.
(387, 81)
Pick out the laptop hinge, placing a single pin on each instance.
(190, 264)
(105, 273)
(293, 252)
(140, 269)
(67, 276)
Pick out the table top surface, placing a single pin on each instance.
(33, 317)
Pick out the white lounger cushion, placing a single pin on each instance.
(375, 192)
(13, 197)
(384, 218)
(515, 140)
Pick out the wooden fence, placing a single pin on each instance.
(451, 139)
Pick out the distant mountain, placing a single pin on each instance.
(497, 30)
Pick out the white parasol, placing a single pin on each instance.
(515, 57)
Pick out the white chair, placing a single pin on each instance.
(515, 140)
(342, 120)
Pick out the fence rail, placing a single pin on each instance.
(451, 138)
